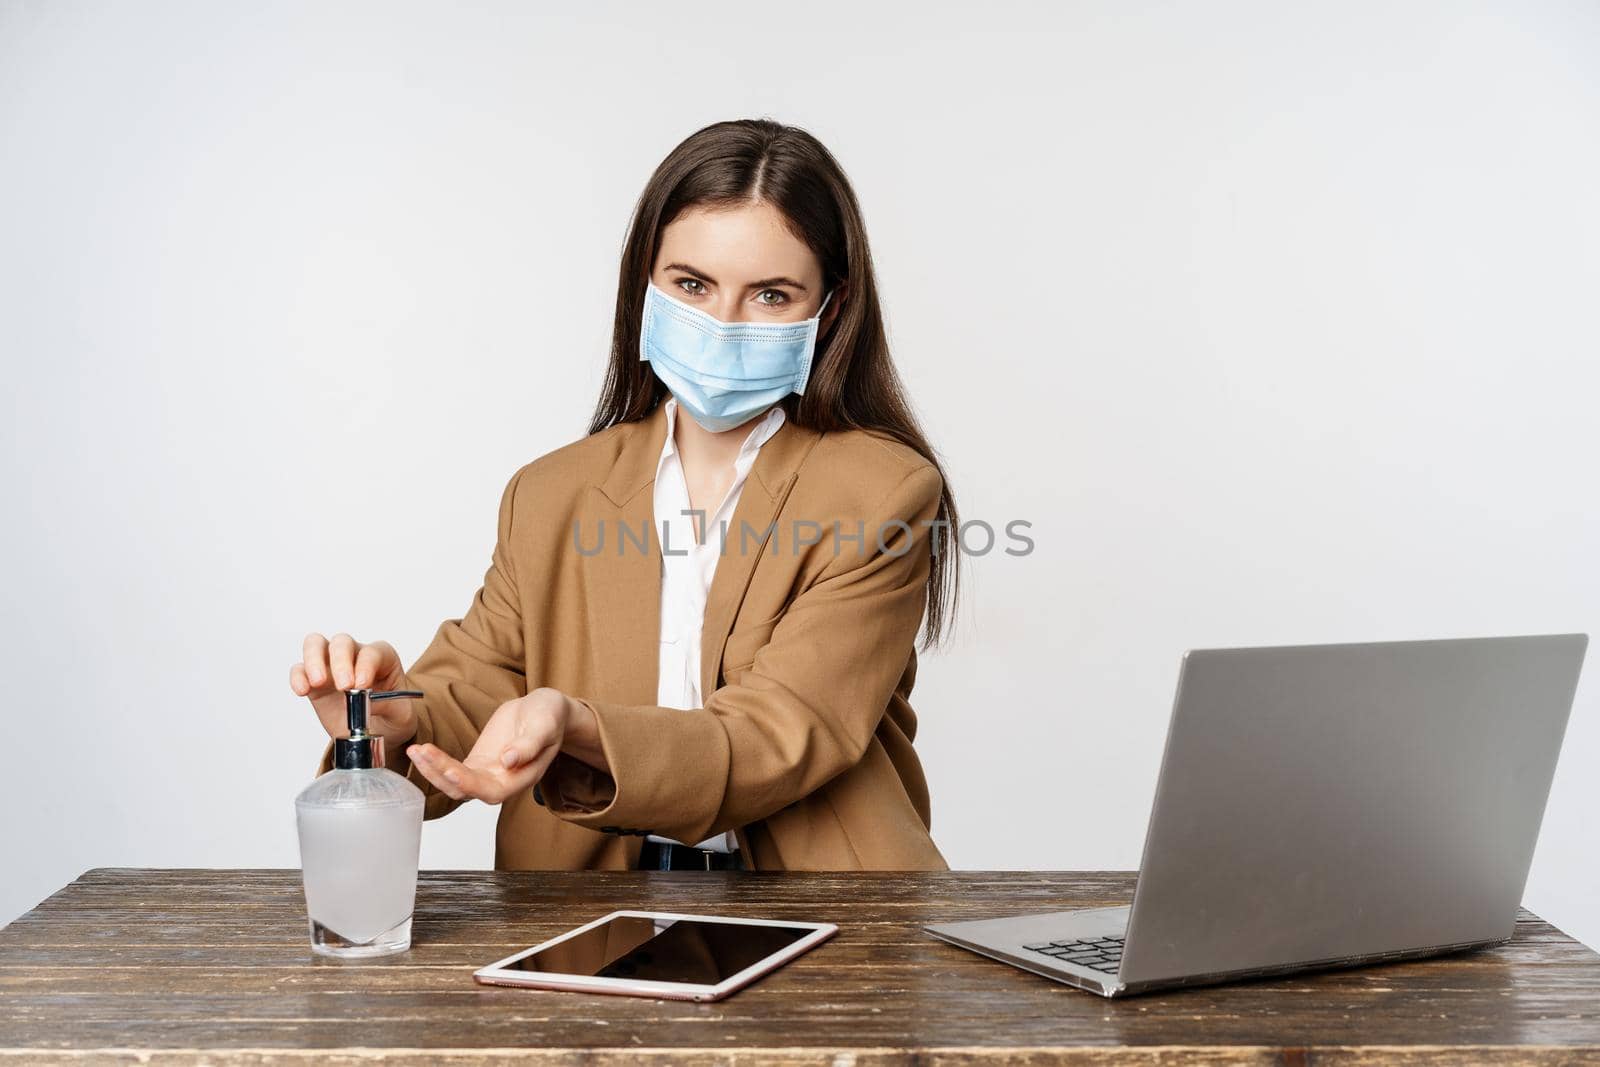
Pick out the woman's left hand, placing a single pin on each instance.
(511, 754)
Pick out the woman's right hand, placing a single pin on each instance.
(329, 666)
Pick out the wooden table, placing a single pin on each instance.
(182, 967)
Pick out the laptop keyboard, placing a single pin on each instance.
(1097, 953)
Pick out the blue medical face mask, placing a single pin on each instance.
(725, 373)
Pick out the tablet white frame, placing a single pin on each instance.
(497, 974)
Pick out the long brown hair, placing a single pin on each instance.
(853, 384)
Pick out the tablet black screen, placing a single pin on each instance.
(695, 951)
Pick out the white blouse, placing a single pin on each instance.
(687, 569)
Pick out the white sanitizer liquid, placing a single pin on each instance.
(360, 869)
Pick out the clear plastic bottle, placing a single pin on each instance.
(360, 833)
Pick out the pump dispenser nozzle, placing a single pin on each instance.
(362, 750)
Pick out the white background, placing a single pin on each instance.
(1277, 321)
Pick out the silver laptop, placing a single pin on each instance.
(1322, 806)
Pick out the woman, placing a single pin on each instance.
(694, 645)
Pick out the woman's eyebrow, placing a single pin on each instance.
(779, 280)
(764, 283)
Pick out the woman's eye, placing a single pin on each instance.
(782, 298)
(684, 283)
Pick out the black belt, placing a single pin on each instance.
(662, 856)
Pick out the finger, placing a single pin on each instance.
(426, 762)
(461, 776)
(534, 772)
(535, 731)
(476, 783)
(389, 660)
(298, 681)
(341, 659)
(368, 664)
(314, 651)
(525, 746)
(502, 783)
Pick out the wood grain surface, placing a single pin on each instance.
(192, 966)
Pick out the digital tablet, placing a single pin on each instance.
(659, 954)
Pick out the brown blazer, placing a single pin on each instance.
(803, 748)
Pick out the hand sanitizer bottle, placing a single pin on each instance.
(360, 833)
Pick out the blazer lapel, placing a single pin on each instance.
(760, 503)
(623, 579)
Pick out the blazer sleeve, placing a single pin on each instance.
(804, 712)
(473, 665)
